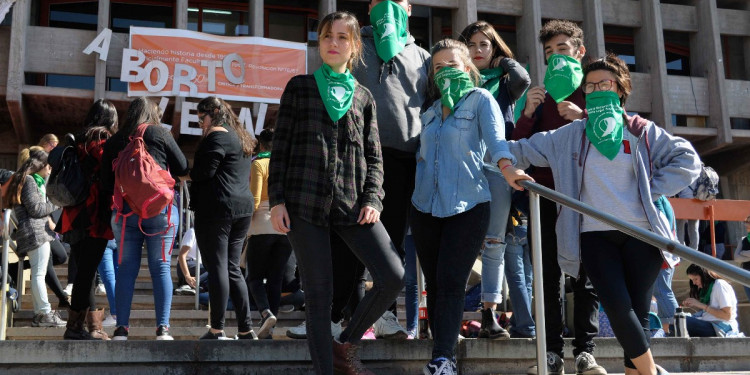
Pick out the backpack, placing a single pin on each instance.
(707, 185)
(142, 183)
(67, 184)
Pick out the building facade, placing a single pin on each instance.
(689, 59)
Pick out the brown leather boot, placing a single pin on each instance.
(94, 322)
(346, 359)
(75, 329)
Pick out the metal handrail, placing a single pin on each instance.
(722, 268)
(4, 281)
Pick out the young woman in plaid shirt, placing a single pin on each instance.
(326, 174)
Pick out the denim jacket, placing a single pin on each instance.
(449, 178)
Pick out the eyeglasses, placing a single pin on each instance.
(604, 85)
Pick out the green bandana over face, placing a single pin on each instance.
(491, 79)
(564, 75)
(336, 90)
(605, 123)
(453, 85)
(389, 22)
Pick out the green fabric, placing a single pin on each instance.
(389, 21)
(704, 294)
(605, 124)
(491, 79)
(39, 182)
(662, 204)
(336, 90)
(264, 154)
(453, 85)
(564, 75)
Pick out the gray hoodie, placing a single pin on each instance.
(399, 87)
(663, 165)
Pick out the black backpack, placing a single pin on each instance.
(67, 185)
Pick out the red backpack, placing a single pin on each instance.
(142, 183)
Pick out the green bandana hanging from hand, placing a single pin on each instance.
(389, 22)
(491, 79)
(336, 90)
(453, 85)
(564, 75)
(605, 124)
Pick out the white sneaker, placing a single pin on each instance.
(101, 290)
(69, 289)
(109, 321)
(298, 332)
(387, 327)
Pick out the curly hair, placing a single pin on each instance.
(618, 68)
(554, 28)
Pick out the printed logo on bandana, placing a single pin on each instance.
(606, 126)
(389, 27)
(559, 63)
(337, 93)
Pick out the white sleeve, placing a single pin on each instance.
(723, 295)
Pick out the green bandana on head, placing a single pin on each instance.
(336, 90)
(491, 79)
(605, 124)
(389, 22)
(453, 85)
(564, 75)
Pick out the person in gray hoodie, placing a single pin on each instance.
(625, 166)
(395, 69)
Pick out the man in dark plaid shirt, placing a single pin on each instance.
(327, 171)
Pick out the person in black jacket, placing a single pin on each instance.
(132, 232)
(223, 208)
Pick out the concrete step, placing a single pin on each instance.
(291, 357)
(140, 302)
(143, 274)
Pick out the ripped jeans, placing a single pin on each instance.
(493, 252)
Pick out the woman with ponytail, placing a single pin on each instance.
(223, 206)
(26, 195)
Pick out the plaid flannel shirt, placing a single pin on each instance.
(325, 171)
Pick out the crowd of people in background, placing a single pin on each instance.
(383, 140)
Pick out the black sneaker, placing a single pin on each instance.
(121, 334)
(214, 336)
(162, 333)
(248, 336)
(267, 322)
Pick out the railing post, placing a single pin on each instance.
(4, 281)
(536, 246)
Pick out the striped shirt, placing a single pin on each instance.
(325, 171)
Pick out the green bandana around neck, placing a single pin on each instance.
(453, 85)
(264, 154)
(389, 21)
(39, 182)
(704, 294)
(336, 90)
(563, 76)
(605, 124)
(491, 79)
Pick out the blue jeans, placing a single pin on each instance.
(699, 328)
(493, 258)
(107, 271)
(158, 249)
(519, 273)
(411, 290)
(665, 299)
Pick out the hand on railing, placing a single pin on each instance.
(513, 175)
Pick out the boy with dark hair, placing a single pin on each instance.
(558, 103)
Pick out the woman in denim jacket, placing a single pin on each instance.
(451, 198)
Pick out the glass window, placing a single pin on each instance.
(287, 26)
(116, 85)
(8, 17)
(619, 40)
(677, 52)
(734, 57)
(740, 123)
(504, 25)
(81, 16)
(70, 81)
(126, 15)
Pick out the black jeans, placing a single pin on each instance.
(585, 300)
(267, 256)
(220, 243)
(348, 279)
(88, 253)
(623, 270)
(371, 244)
(447, 248)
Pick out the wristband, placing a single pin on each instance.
(506, 166)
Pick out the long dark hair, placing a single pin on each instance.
(221, 113)
(707, 277)
(102, 113)
(36, 162)
(499, 47)
(141, 111)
